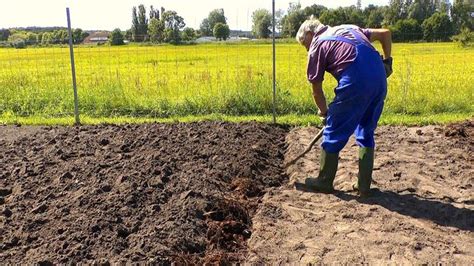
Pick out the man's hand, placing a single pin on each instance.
(323, 117)
(387, 63)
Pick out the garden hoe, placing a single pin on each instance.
(308, 148)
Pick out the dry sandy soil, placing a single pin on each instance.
(422, 209)
(217, 192)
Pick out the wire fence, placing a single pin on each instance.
(231, 78)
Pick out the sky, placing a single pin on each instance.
(111, 14)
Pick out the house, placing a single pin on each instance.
(98, 37)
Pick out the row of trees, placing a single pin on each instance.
(162, 25)
(21, 38)
(409, 20)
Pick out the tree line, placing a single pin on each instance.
(409, 20)
(20, 38)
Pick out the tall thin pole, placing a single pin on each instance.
(274, 64)
(73, 69)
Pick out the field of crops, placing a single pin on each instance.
(228, 79)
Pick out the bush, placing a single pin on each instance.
(19, 44)
(221, 31)
(116, 37)
(406, 30)
(465, 38)
(438, 27)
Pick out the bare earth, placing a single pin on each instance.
(422, 209)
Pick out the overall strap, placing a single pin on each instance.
(337, 38)
(358, 39)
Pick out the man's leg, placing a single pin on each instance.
(365, 139)
(344, 115)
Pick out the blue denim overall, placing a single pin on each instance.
(359, 99)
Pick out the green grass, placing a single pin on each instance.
(432, 82)
(293, 120)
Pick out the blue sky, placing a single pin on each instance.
(110, 14)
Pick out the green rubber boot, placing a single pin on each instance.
(327, 173)
(366, 166)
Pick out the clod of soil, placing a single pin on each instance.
(181, 193)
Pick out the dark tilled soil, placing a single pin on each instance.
(155, 193)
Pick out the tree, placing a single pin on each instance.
(154, 13)
(293, 20)
(278, 19)
(139, 24)
(156, 30)
(4, 34)
(465, 38)
(221, 31)
(205, 28)
(461, 13)
(406, 30)
(173, 23)
(343, 15)
(373, 16)
(60, 37)
(188, 34)
(47, 38)
(396, 10)
(78, 36)
(438, 27)
(135, 25)
(214, 17)
(314, 10)
(421, 10)
(262, 22)
(142, 22)
(128, 35)
(31, 38)
(116, 37)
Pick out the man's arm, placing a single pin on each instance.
(319, 98)
(385, 38)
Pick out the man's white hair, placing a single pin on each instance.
(311, 25)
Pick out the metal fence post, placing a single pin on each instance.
(274, 64)
(73, 68)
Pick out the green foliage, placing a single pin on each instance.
(4, 34)
(128, 35)
(214, 17)
(156, 30)
(461, 13)
(116, 37)
(205, 28)
(421, 10)
(188, 34)
(374, 16)
(314, 10)
(154, 13)
(343, 15)
(47, 38)
(396, 10)
(438, 27)
(78, 36)
(173, 23)
(293, 20)
(139, 24)
(406, 30)
(221, 31)
(262, 22)
(465, 38)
